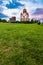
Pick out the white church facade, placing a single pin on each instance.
(24, 16)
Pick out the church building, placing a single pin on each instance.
(24, 16)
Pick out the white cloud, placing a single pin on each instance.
(11, 12)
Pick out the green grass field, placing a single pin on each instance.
(21, 44)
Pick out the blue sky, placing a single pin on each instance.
(9, 8)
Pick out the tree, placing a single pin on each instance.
(0, 20)
(4, 21)
(32, 21)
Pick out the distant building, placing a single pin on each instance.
(24, 16)
(13, 19)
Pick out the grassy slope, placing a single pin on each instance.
(21, 44)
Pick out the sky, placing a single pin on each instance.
(9, 8)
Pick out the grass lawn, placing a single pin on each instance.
(21, 44)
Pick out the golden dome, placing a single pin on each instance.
(24, 10)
